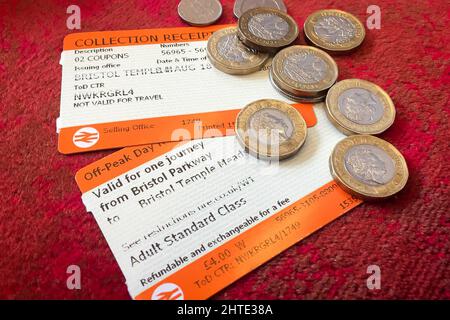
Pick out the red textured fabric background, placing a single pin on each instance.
(44, 226)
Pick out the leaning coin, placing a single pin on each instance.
(368, 167)
(304, 71)
(228, 54)
(240, 6)
(334, 30)
(270, 129)
(267, 29)
(359, 107)
(200, 12)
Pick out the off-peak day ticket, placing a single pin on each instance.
(184, 220)
(123, 88)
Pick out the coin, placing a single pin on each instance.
(240, 6)
(334, 30)
(359, 107)
(228, 54)
(368, 167)
(270, 129)
(293, 97)
(267, 29)
(304, 71)
(200, 12)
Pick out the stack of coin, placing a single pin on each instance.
(357, 106)
(368, 167)
(270, 129)
(228, 54)
(267, 29)
(245, 49)
(334, 31)
(303, 73)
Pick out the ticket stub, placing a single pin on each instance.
(122, 88)
(185, 220)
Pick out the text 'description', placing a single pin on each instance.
(149, 86)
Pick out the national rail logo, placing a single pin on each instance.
(168, 291)
(86, 137)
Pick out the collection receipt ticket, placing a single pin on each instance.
(124, 88)
(186, 219)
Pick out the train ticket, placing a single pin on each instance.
(123, 88)
(184, 220)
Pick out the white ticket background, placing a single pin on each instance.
(146, 81)
(192, 193)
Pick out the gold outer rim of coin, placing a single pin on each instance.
(183, 17)
(302, 89)
(261, 44)
(357, 188)
(287, 148)
(312, 37)
(228, 66)
(303, 99)
(349, 127)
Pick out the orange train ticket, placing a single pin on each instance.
(184, 220)
(123, 88)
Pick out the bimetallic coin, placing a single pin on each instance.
(200, 12)
(334, 30)
(304, 71)
(368, 167)
(357, 106)
(228, 54)
(267, 29)
(270, 129)
(240, 6)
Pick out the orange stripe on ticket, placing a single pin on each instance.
(103, 39)
(118, 163)
(158, 129)
(155, 130)
(233, 259)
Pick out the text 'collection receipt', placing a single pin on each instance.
(124, 88)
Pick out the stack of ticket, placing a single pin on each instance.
(184, 209)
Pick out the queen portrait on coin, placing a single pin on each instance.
(360, 106)
(269, 122)
(370, 165)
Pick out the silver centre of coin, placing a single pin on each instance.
(233, 50)
(369, 164)
(360, 106)
(270, 126)
(268, 26)
(334, 29)
(305, 68)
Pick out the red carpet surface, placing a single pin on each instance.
(44, 227)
